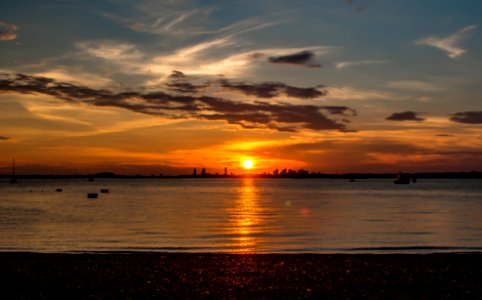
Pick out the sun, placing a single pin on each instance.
(248, 163)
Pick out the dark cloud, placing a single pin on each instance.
(468, 117)
(444, 135)
(404, 116)
(358, 8)
(179, 83)
(185, 87)
(272, 89)
(282, 117)
(7, 31)
(257, 55)
(303, 58)
(177, 75)
(4, 138)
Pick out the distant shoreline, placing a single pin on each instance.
(318, 175)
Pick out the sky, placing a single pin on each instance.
(164, 86)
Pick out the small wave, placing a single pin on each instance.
(254, 234)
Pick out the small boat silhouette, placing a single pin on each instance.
(402, 178)
(92, 195)
(13, 179)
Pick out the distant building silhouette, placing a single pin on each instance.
(203, 172)
(194, 173)
(225, 171)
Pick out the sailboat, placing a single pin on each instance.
(13, 179)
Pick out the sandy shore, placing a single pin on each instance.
(220, 276)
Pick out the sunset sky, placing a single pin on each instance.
(149, 87)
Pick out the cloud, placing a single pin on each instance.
(273, 89)
(346, 64)
(181, 19)
(404, 116)
(165, 17)
(206, 57)
(448, 44)
(303, 58)
(444, 135)
(185, 87)
(76, 75)
(4, 138)
(414, 85)
(467, 117)
(177, 75)
(7, 31)
(350, 93)
(280, 116)
(179, 83)
(357, 7)
(223, 55)
(110, 50)
(379, 154)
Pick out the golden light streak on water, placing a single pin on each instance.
(245, 214)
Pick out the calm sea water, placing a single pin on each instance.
(242, 215)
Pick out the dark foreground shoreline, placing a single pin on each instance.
(240, 276)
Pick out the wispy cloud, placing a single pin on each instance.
(7, 31)
(76, 75)
(355, 63)
(4, 138)
(209, 57)
(183, 19)
(414, 85)
(110, 50)
(351, 93)
(165, 17)
(279, 116)
(450, 43)
(381, 153)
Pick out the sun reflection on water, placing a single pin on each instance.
(245, 216)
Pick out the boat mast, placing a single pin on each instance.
(13, 179)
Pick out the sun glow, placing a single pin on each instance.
(248, 163)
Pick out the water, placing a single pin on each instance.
(242, 216)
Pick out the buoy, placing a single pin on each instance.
(92, 195)
(58, 190)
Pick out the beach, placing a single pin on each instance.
(144, 275)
